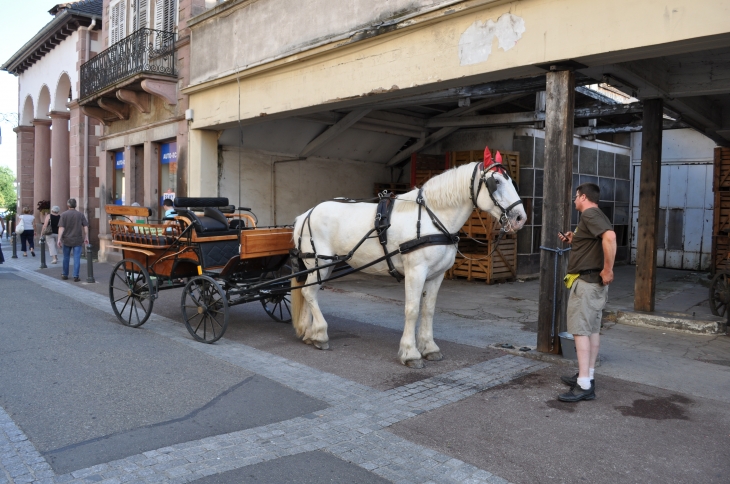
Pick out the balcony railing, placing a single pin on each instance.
(144, 51)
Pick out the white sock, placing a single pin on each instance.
(592, 371)
(584, 383)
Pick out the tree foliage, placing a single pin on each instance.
(7, 187)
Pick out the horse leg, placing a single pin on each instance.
(426, 345)
(408, 353)
(316, 332)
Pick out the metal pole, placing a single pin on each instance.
(15, 249)
(89, 265)
(42, 243)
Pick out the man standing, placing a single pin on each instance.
(73, 231)
(590, 268)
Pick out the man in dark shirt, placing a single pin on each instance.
(591, 258)
(73, 231)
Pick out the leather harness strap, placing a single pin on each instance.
(382, 222)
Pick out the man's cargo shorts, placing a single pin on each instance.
(585, 307)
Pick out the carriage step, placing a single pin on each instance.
(670, 321)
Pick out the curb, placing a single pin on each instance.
(676, 322)
(534, 355)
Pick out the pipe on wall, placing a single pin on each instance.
(86, 124)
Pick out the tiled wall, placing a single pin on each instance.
(609, 170)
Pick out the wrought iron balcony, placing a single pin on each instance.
(146, 51)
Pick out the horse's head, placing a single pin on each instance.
(494, 191)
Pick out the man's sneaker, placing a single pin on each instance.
(570, 380)
(76, 279)
(577, 394)
(64, 278)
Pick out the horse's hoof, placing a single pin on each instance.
(416, 364)
(321, 346)
(437, 356)
(307, 341)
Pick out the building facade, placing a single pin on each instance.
(132, 88)
(57, 157)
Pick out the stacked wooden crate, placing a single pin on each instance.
(721, 222)
(471, 260)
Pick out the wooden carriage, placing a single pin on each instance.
(215, 252)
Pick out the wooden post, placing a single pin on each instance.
(557, 186)
(650, 181)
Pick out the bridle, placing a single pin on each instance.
(487, 179)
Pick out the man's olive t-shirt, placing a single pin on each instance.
(587, 250)
(72, 222)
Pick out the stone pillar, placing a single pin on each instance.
(42, 163)
(25, 166)
(202, 172)
(130, 165)
(152, 176)
(60, 182)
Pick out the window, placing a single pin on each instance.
(165, 15)
(139, 14)
(118, 188)
(117, 21)
(168, 171)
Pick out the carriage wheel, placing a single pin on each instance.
(205, 309)
(278, 306)
(720, 294)
(129, 293)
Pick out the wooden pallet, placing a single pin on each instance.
(396, 188)
(720, 252)
(721, 213)
(425, 167)
(721, 178)
(481, 225)
(475, 265)
(510, 160)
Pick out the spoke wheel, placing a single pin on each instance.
(720, 294)
(204, 309)
(278, 306)
(129, 293)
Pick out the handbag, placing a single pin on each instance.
(48, 230)
(20, 228)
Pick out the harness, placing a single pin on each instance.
(386, 201)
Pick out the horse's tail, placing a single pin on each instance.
(298, 305)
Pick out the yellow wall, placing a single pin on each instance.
(425, 54)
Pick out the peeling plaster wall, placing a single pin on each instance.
(299, 184)
(304, 24)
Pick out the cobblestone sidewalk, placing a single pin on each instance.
(354, 428)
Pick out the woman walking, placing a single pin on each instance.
(26, 238)
(52, 238)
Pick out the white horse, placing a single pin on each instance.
(337, 227)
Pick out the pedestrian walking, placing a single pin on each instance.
(26, 237)
(51, 235)
(73, 231)
(590, 271)
(2, 231)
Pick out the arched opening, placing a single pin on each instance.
(26, 115)
(44, 103)
(63, 93)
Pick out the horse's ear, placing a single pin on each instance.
(498, 157)
(487, 157)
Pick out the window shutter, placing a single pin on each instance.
(113, 24)
(170, 11)
(139, 14)
(122, 20)
(159, 14)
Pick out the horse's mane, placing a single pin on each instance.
(448, 189)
